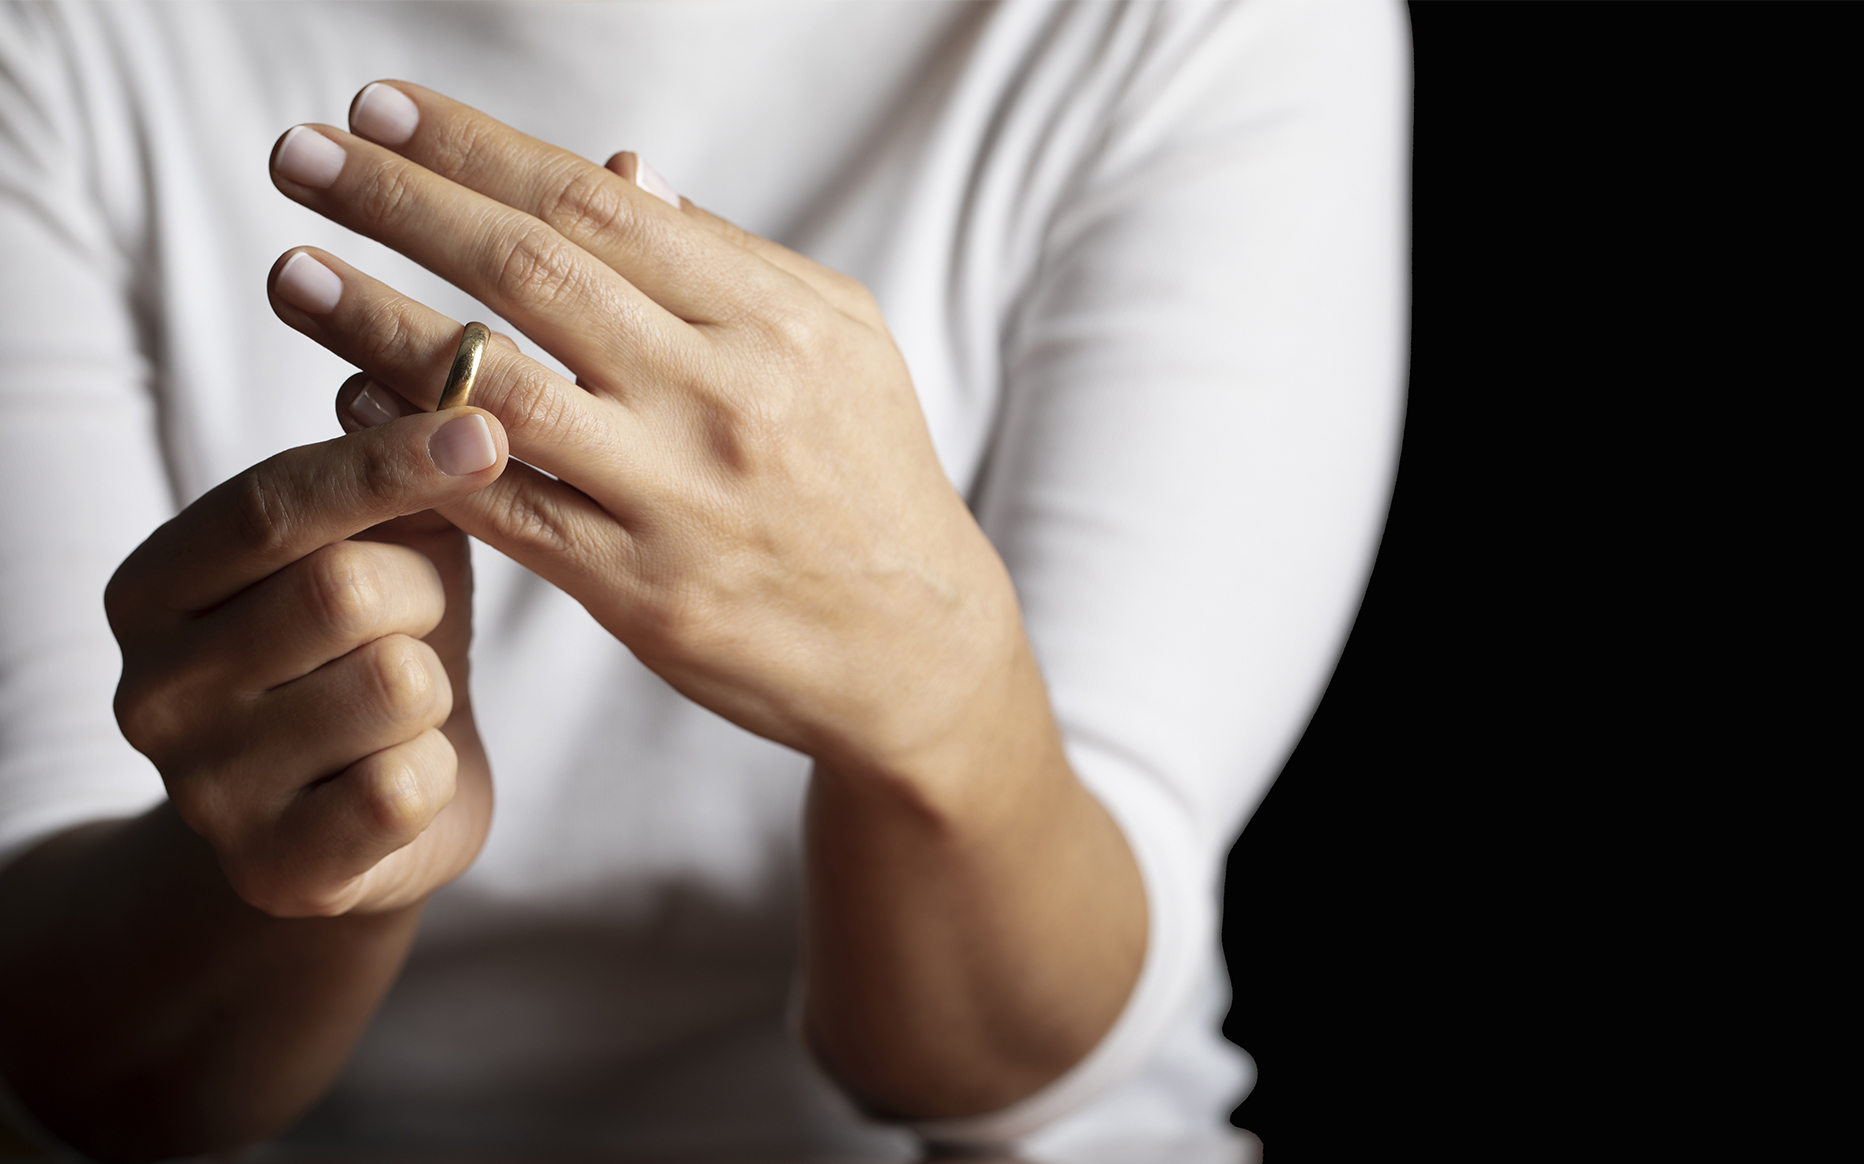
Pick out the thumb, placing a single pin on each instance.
(303, 499)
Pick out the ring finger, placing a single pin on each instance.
(408, 347)
(599, 450)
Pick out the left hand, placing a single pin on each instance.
(747, 495)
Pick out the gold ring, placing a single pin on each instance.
(465, 367)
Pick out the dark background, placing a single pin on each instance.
(1487, 907)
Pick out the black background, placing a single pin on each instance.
(1457, 925)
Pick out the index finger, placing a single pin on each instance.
(257, 523)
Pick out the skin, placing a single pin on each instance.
(745, 494)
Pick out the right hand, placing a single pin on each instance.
(294, 662)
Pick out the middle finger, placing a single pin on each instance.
(673, 254)
(613, 336)
(320, 608)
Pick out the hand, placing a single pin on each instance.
(742, 489)
(746, 493)
(294, 662)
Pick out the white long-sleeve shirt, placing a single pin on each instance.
(1146, 263)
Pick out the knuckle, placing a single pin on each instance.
(460, 153)
(536, 522)
(146, 720)
(260, 520)
(530, 404)
(786, 335)
(539, 269)
(401, 681)
(680, 617)
(386, 197)
(746, 435)
(589, 204)
(345, 590)
(156, 716)
(204, 806)
(397, 801)
(388, 334)
(379, 477)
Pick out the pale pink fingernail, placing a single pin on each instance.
(309, 158)
(463, 446)
(308, 285)
(369, 410)
(649, 179)
(385, 114)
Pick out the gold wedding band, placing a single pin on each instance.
(465, 367)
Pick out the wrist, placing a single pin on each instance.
(973, 758)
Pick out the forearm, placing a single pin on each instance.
(148, 1012)
(974, 932)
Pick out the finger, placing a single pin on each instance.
(572, 303)
(257, 754)
(339, 829)
(608, 470)
(629, 166)
(549, 526)
(845, 293)
(381, 694)
(363, 402)
(630, 228)
(555, 530)
(319, 608)
(301, 500)
(407, 347)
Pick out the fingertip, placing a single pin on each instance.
(362, 403)
(623, 164)
(651, 180)
(465, 445)
(628, 166)
(303, 282)
(384, 114)
(307, 158)
(305, 285)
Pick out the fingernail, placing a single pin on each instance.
(463, 446)
(649, 179)
(368, 410)
(308, 285)
(309, 158)
(385, 114)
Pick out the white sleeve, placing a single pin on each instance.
(1203, 391)
(82, 476)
